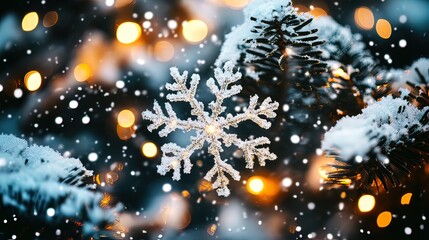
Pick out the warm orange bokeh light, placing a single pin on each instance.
(236, 4)
(126, 118)
(318, 12)
(163, 51)
(128, 32)
(33, 80)
(383, 28)
(406, 198)
(195, 31)
(82, 72)
(125, 133)
(149, 149)
(50, 19)
(255, 185)
(384, 219)
(364, 18)
(30, 21)
(366, 203)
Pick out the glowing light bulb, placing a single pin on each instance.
(255, 185)
(366, 203)
(384, 219)
(30, 21)
(149, 149)
(126, 118)
(383, 28)
(195, 30)
(406, 198)
(128, 32)
(82, 72)
(364, 18)
(33, 80)
(50, 19)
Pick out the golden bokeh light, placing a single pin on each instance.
(125, 133)
(33, 80)
(149, 149)
(255, 185)
(82, 72)
(195, 30)
(406, 198)
(318, 12)
(204, 186)
(364, 18)
(384, 219)
(105, 201)
(126, 118)
(30, 21)
(163, 51)
(50, 19)
(211, 230)
(128, 32)
(236, 4)
(366, 203)
(383, 28)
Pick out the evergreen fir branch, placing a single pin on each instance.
(375, 148)
(34, 179)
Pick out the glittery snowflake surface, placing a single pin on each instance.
(210, 127)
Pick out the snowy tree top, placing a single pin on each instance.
(210, 127)
(255, 12)
(384, 124)
(33, 178)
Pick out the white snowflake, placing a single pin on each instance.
(210, 128)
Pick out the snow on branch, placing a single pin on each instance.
(377, 130)
(35, 178)
(273, 36)
(210, 127)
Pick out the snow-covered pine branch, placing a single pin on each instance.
(210, 127)
(273, 38)
(388, 136)
(40, 183)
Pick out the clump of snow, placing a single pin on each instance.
(210, 127)
(391, 119)
(33, 178)
(232, 48)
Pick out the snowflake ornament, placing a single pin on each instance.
(211, 128)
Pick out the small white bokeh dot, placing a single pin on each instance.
(402, 43)
(172, 24)
(408, 230)
(92, 157)
(85, 119)
(58, 120)
(73, 104)
(287, 182)
(311, 205)
(120, 84)
(148, 15)
(17, 93)
(110, 3)
(50, 212)
(403, 19)
(166, 187)
(294, 139)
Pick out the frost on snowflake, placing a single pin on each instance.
(34, 178)
(210, 127)
(380, 128)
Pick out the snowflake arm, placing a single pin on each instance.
(171, 121)
(173, 155)
(266, 109)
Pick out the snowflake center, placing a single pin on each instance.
(211, 129)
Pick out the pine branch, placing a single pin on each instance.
(34, 179)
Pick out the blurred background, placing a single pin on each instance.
(76, 75)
